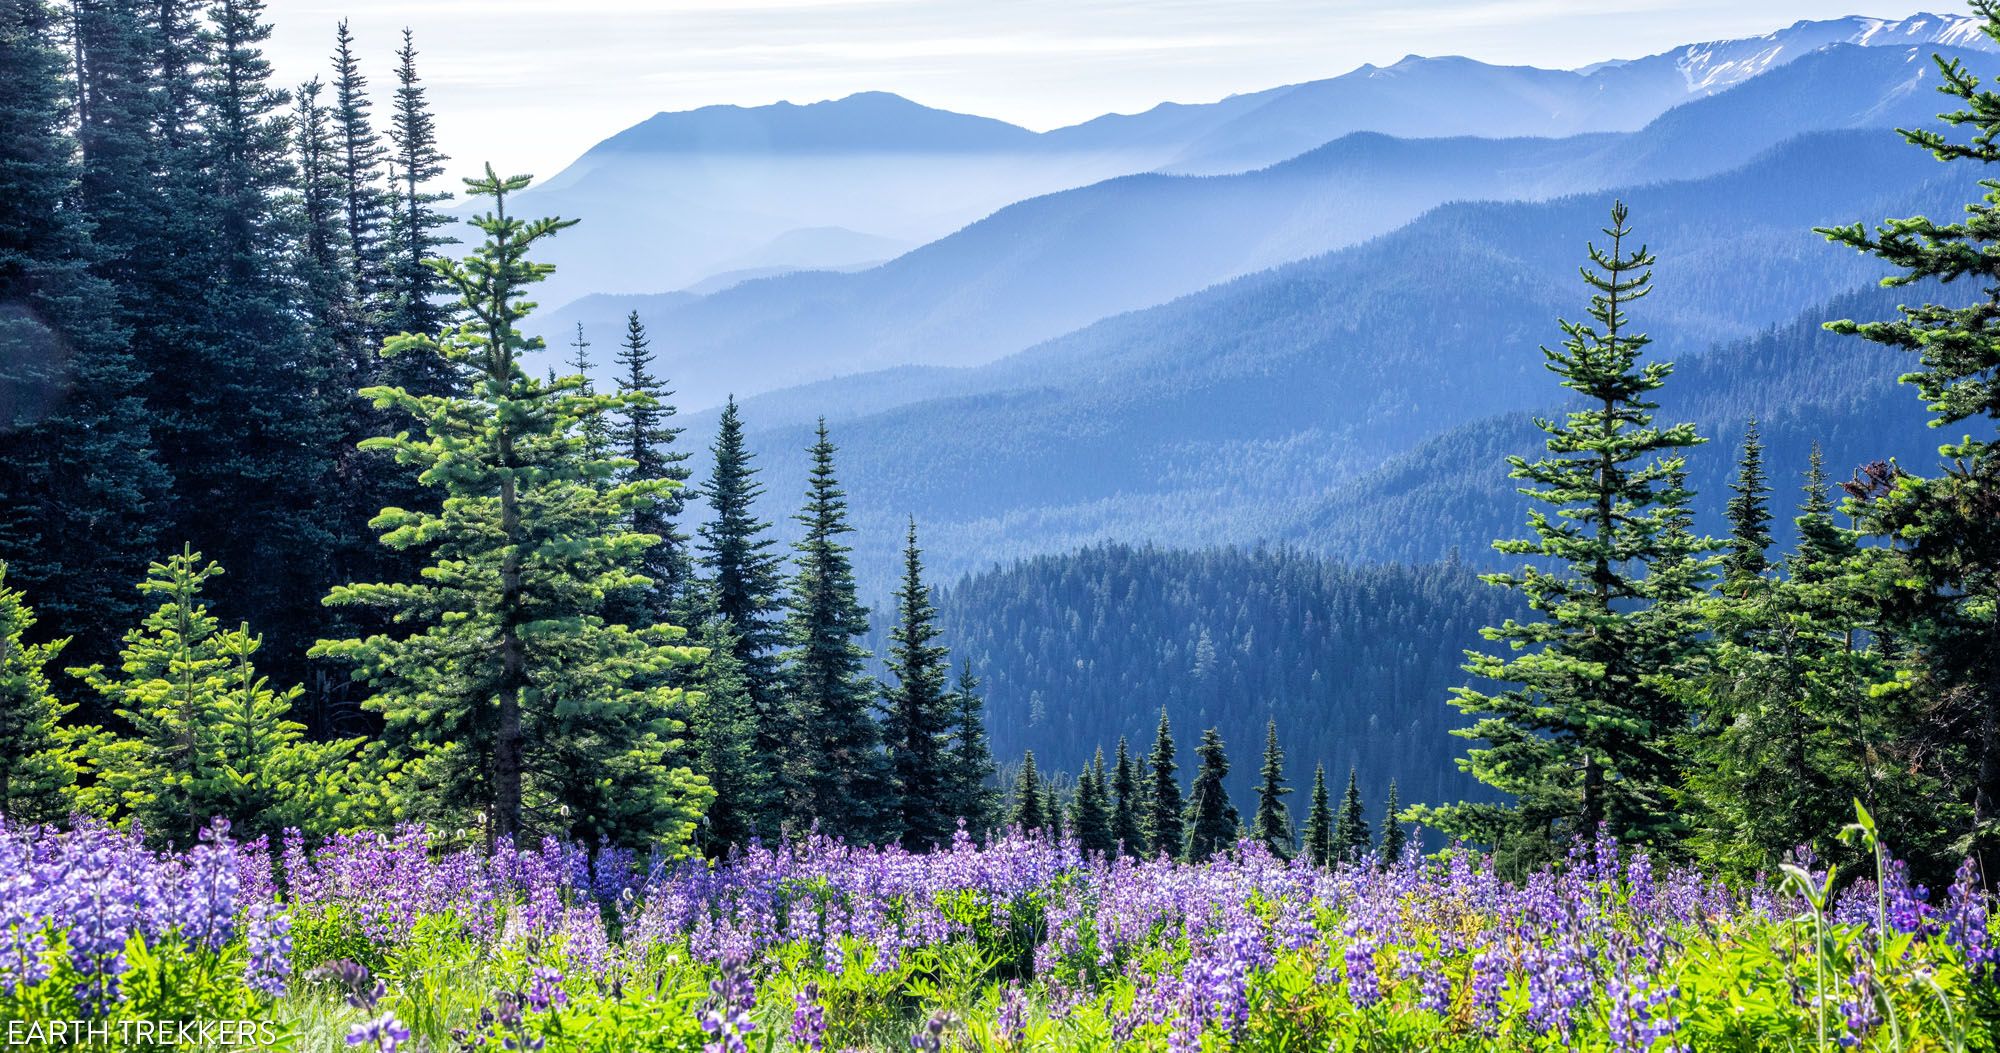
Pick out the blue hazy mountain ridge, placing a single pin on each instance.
(1255, 400)
(1053, 264)
(678, 194)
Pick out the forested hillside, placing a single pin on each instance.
(1353, 662)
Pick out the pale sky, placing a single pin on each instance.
(530, 85)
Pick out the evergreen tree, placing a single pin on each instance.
(1027, 813)
(596, 430)
(643, 436)
(80, 488)
(209, 736)
(1128, 804)
(364, 203)
(1273, 822)
(742, 589)
(1090, 819)
(1350, 830)
(832, 763)
(970, 763)
(1394, 839)
(919, 711)
(38, 769)
(723, 734)
(1052, 811)
(1211, 819)
(1749, 515)
(415, 292)
(1943, 570)
(1587, 734)
(1163, 826)
(504, 690)
(1320, 841)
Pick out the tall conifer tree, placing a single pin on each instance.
(1273, 822)
(1585, 733)
(832, 761)
(38, 769)
(414, 294)
(504, 689)
(1028, 811)
(1128, 804)
(1394, 837)
(1749, 513)
(1319, 842)
(1165, 831)
(742, 584)
(1350, 829)
(974, 799)
(364, 199)
(644, 436)
(1211, 819)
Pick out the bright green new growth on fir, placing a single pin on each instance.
(209, 735)
(507, 695)
(38, 768)
(1586, 733)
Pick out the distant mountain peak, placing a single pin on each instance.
(866, 121)
(1715, 65)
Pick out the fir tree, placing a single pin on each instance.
(364, 203)
(503, 688)
(1090, 820)
(1394, 839)
(1319, 846)
(1749, 515)
(38, 769)
(1163, 825)
(1027, 813)
(209, 735)
(1128, 804)
(1052, 811)
(1211, 819)
(79, 486)
(918, 709)
(1944, 565)
(1350, 830)
(643, 436)
(596, 430)
(832, 761)
(742, 583)
(415, 292)
(1273, 822)
(1587, 733)
(974, 800)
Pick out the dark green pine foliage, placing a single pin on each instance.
(1946, 526)
(1027, 813)
(1394, 837)
(1583, 731)
(365, 202)
(508, 698)
(1053, 812)
(832, 763)
(244, 421)
(1165, 831)
(1090, 816)
(1319, 822)
(414, 294)
(918, 711)
(1211, 819)
(1749, 513)
(722, 732)
(80, 490)
(38, 769)
(322, 272)
(1350, 829)
(643, 436)
(1128, 804)
(974, 798)
(1273, 822)
(742, 581)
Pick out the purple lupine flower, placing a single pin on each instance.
(384, 1033)
(1858, 1013)
(270, 945)
(545, 990)
(931, 1038)
(1011, 1019)
(726, 1018)
(1965, 921)
(808, 1019)
(208, 914)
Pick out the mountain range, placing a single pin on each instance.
(686, 195)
